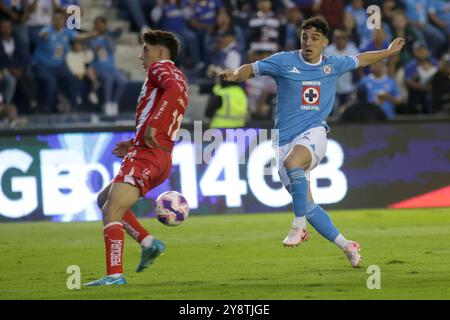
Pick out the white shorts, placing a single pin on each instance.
(314, 139)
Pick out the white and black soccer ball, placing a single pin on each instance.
(171, 208)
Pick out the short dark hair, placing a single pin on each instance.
(59, 11)
(317, 22)
(102, 19)
(163, 38)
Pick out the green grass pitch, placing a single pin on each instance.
(237, 257)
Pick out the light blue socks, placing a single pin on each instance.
(299, 191)
(320, 220)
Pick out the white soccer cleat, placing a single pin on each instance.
(352, 250)
(295, 237)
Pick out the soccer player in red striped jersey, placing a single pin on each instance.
(147, 159)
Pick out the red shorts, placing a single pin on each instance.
(145, 168)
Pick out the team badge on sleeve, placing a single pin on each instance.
(327, 69)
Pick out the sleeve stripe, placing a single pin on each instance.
(356, 60)
(255, 69)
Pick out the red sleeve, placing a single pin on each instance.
(173, 99)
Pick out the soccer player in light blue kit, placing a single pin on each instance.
(306, 86)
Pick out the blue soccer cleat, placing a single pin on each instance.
(149, 254)
(107, 281)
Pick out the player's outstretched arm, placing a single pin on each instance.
(370, 57)
(242, 73)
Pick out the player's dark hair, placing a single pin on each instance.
(101, 19)
(163, 38)
(59, 11)
(317, 22)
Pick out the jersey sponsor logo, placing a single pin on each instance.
(310, 96)
(294, 70)
(116, 250)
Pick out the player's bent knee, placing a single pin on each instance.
(298, 157)
(113, 211)
(295, 161)
(111, 215)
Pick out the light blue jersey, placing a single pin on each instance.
(305, 91)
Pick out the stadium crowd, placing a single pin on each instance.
(40, 58)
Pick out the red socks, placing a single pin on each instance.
(133, 227)
(114, 237)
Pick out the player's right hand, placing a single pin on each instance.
(228, 75)
(150, 137)
(121, 148)
(396, 45)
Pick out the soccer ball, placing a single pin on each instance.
(171, 208)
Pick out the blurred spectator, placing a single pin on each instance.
(398, 3)
(440, 87)
(379, 42)
(261, 92)
(18, 12)
(388, 11)
(439, 13)
(228, 55)
(305, 6)
(241, 11)
(417, 13)
(358, 12)
(351, 28)
(264, 29)
(376, 38)
(363, 111)
(294, 19)
(172, 16)
(112, 79)
(8, 86)
(222, 26)
(78, 60)
(202, 18)
(49, 63)
(396, 70)
(14, 61)
(401, 28)
(381, 89)
(64, 4)
(138, 13)
(41, 13)
(204, 13)
(332, 11)
(8, 112)
(227, 106)
(345, 85)
(418, 74)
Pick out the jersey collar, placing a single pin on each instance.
(383, 78)
(166, 61)
(306, 62)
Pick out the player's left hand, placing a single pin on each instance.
(396, 45)
(121, 148)
(150, 138)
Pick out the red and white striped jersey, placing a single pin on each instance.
(163, 100)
